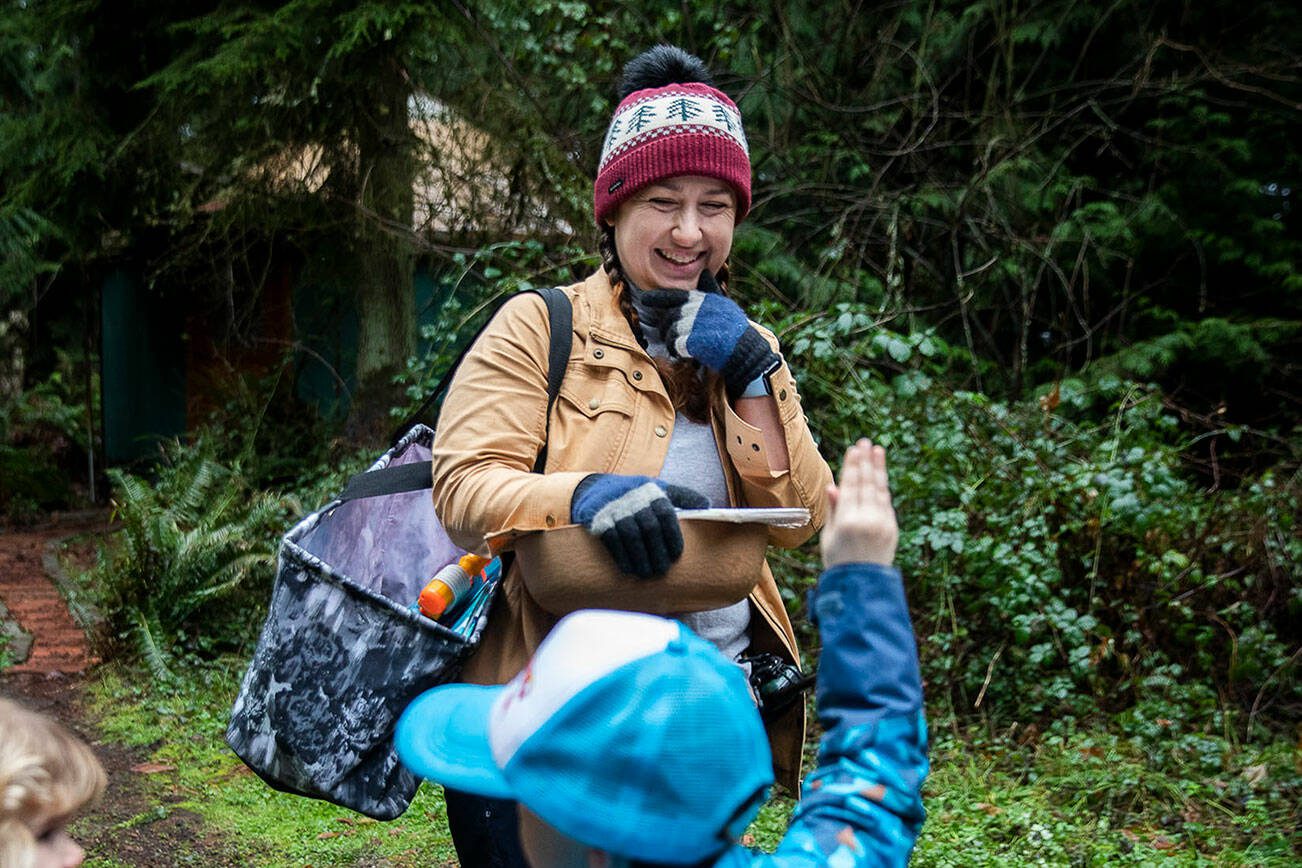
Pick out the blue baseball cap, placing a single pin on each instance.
(626, 732)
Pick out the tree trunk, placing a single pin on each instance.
(384, 248)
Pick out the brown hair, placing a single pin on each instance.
(688, 391)
(46, 772)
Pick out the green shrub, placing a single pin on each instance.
(30, 484)
(256, 421)
(191, 538)
(43, 445)
(1062, 558)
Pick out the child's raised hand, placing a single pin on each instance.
(861, 524)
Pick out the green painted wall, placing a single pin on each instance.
(142, 369)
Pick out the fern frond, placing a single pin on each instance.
(148, 648)
(192, 503)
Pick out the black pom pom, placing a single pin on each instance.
(662, 65)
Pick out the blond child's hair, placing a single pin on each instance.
(45, 772)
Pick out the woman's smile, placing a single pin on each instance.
(680, 258)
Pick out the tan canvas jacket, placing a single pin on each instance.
(612, 416)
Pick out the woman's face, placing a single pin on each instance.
(54, 849)
(671, 231)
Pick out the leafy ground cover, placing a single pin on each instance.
(179, 725)
(1087, 796)
(1159, 782)
(1097, 798)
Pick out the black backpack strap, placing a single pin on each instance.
(561, 315)
(419, 475)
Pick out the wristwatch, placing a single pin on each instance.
(759, 387)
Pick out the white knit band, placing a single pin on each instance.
(634, 500)
(682, 329)
(669, 112)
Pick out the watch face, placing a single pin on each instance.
(755, 389)
(759, 387)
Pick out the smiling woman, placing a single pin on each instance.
(671, 399)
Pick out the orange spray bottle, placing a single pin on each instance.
(449, 585)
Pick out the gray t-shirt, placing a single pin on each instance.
(693, 462)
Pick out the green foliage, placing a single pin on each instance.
(51, 405)
(1162, 793)
(1044, 185)
(20, 262)
(190, 539)
(77, 183)
(1062, 556)
(43, 444)
(1089, 796)
(31, 485)
(179, 724)
(1213, 363)
(257, 424)
(1032, 176)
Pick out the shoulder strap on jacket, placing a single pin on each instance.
(418, 475)
(561, 315)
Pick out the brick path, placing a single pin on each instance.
(58, 645)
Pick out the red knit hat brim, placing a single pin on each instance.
(706, 139)
(670, 156)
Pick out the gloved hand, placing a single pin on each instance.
(705, 325)
(634, 518)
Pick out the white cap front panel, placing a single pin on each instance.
(583, 648)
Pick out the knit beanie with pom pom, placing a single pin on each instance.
(670, 121)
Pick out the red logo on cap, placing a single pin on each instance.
(525, 679)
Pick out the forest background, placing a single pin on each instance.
(1044, 251)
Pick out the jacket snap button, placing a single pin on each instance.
(637, 375)
(598, 353)
(660, 431)
(782, 394)
(594, 404)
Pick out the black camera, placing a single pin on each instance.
(776, 683)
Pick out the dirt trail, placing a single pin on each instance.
(128, 826)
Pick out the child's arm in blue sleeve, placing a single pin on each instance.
(863, 804)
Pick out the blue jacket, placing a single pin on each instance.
(863, 804)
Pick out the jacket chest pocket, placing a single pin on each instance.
(592, 421)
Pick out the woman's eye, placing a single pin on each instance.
(664, 204)
(713, 207)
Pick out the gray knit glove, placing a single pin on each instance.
(635, 518)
